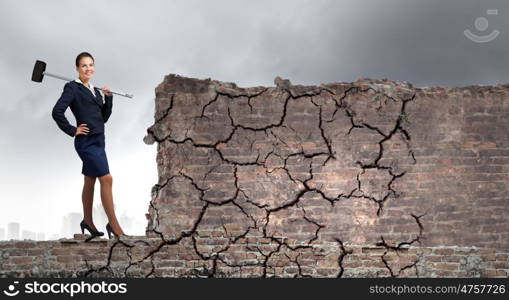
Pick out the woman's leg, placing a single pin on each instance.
(107, 200)
(87, 197)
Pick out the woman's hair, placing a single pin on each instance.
(81, 55)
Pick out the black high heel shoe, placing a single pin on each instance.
(94, 233)
(109, 230)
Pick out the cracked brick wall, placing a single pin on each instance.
(370, 178)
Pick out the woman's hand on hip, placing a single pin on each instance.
(82, 129)
(106, 90)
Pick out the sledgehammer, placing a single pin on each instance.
(40, 71)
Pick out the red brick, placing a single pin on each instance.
(21, 260)
(447, 266)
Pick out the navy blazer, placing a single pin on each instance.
(86, 108)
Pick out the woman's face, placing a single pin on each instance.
(86, 68)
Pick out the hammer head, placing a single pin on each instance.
(38, 72)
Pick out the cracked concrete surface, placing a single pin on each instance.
(281, 164)
(373, 178)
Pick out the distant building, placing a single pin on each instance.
(41, 236)
(126, 222)
(28, 235)
(13, 229)
(2, 234)
(99, 217)
(71, 224)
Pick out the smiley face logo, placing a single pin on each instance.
(481, 24)
(11, 290)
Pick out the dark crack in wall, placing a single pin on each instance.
(373, 178)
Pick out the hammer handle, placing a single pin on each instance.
(70, 79)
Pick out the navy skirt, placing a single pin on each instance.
(90, 148)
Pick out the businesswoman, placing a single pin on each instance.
(91, 113)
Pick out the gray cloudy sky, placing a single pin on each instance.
(136, 43)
